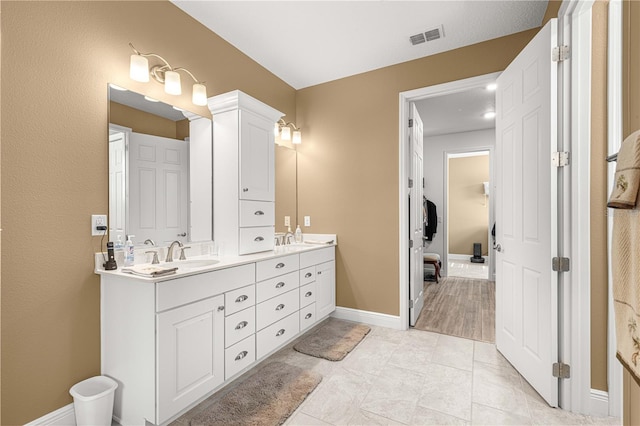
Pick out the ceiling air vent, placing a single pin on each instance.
(417, 39)
(434, 34)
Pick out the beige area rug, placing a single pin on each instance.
(333, 340)
(268, 397)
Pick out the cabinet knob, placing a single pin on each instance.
(241, 325)
(242, 298)
(319, 272)
(308, 294)
(245, 189)
(258, 239)
(280, 284)
(241, 355)
(220, 308)
(308, 275)
(280, 265)
(308, 316)
(280, 307)
(280, 332)
(259, 213)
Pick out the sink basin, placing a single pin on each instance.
(194, 263)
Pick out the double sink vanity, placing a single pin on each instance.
(172, 340)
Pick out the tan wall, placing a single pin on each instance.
(630, 123)
(143, 122)
(286, 187)
(59, 57)
(348, 163)
(468, 208)
(598, 196)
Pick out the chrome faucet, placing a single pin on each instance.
(170, 250)
(287, 237)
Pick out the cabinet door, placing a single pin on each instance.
(190, 355)
(325, 289)
(257, 164)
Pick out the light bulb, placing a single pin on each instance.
(199, 95)
(139, 69)
(297, 137)
(286, 134)
(172, 83)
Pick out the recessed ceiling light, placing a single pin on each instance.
(492, 86)
(489, 114)
(114, 86)
(151, 99)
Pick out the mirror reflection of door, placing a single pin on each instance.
(117, 183)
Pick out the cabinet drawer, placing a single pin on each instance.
(277, 334)
(181, 291)
(314, 257)
(273, 287)
(277, 308)
(257, 213)
(307, 294)
(239, 356)
(254, 240)
(307, 316)
(237, 300)
(307, 275)
(274, 267)
(239, 326)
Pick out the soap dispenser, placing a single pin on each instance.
(128, 251)
(298, 235)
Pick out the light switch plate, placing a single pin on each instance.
(307, 221)
(98, 220)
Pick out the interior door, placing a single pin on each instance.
(526, 214)
(416, 219)
(158, 185)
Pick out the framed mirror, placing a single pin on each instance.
(286, 187)
(156, 152)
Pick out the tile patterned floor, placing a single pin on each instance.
(420, 378)
(467, 269)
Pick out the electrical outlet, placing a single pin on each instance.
(307, 221)
(287, 221)
(98, 224)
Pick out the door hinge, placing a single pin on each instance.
(410, 243)
(561, 370)
(560, 158)
(410, 183)
(560, 264)
(411, 122)
(560, 53)
(410, 303)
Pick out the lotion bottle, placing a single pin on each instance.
(298, 235)
(129, 251)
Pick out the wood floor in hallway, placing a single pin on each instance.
(462, 307)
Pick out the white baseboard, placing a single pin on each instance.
(598, 403)
(64, 416)
(367, 317)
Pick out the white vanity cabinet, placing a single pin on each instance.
(243, 173)
(318, 267)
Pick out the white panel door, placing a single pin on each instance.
(416, 218)
(117, 190)
(257, 174)
(158, 188)
(190, 355)
(526, 214)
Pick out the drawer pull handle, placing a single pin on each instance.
(280, 307)
(280, 265)
(220, 308)
(280, 332)
(241, 325)
(280, 284)
(241, 355)
(308, 316)
(308, 294)
(242, 298)
(258, 239)
(245, 189)
(319, 272)
(308, 275)
(259, 213)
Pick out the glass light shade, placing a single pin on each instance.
(199, 95)
(297, 137)
(276, 130)
(489, 114)
(139, 68)
(286, 134)
(172, 83)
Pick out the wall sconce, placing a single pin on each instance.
(283, 129)
(165, 74)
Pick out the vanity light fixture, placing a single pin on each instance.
(283, 129)
(489, 115)
(166, 74)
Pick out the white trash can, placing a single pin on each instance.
(93, 401)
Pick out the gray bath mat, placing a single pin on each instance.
(268, 397)
(333, 340)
